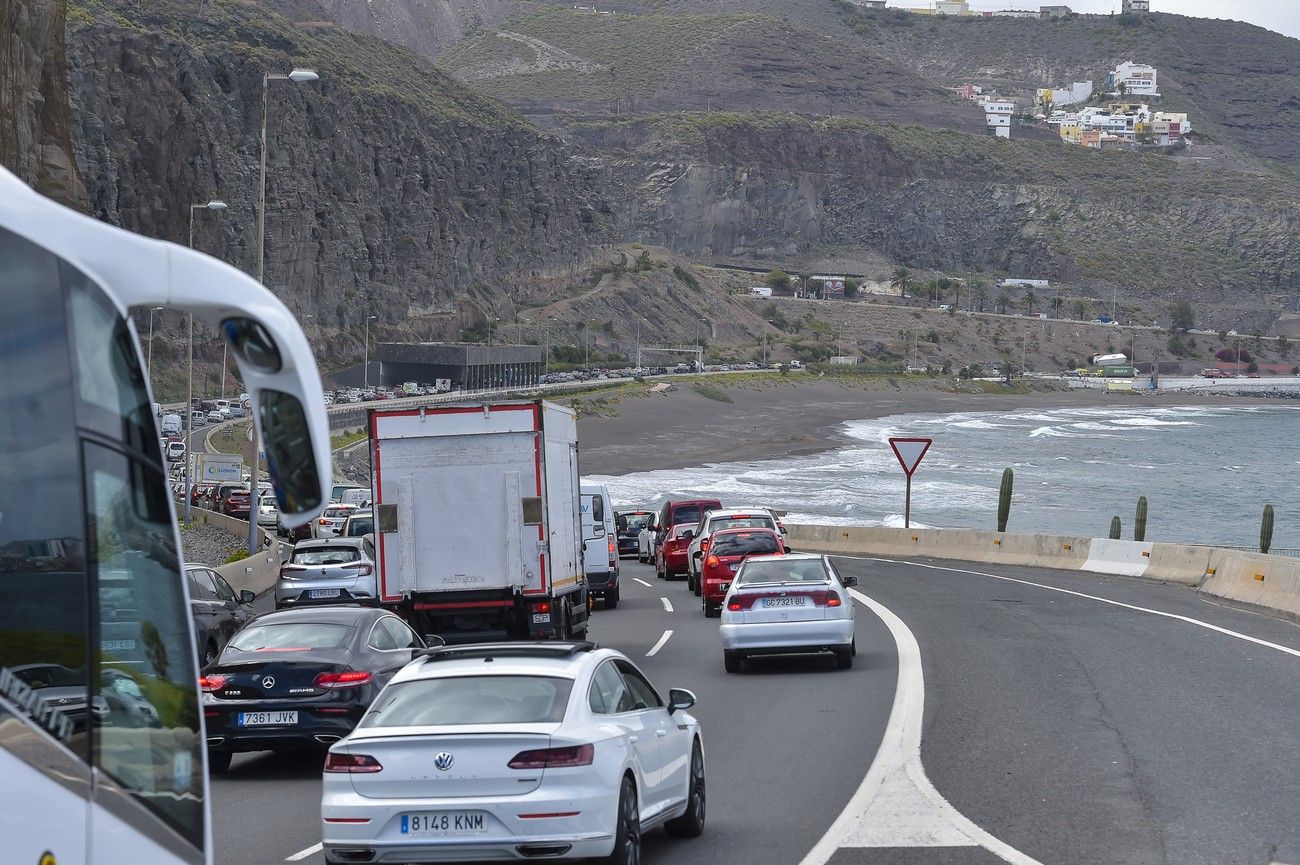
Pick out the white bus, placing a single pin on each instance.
(102, 749)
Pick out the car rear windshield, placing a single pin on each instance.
(746, 543)
(784, 570)
(336, 512)
(687, 514)
(325, 555)
(636, 522)
(291, 637)
(471, 700)
(678, 531)
(754, 521)
(361, 526)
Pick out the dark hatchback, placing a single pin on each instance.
(629, 524)
(235, 504)
(300, 678)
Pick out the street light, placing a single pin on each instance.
(149, 363)
(213, 205)
(365, 375)
(297, 76)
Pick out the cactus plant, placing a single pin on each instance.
(1266, 530)
(1140, 521)
(1004, 498)
(1115, 529)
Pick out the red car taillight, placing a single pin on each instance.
(208, 684)
(363, 569)
(322, 521)
(712, 561)
(554, 758)
(348, 679)
(833, 599)
(353, 763)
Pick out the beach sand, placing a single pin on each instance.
(682, 428)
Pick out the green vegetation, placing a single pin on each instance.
(1116, 529)
(709, 391)
(1140, 520)
(342, 440)
(1266, 530)
(237, 556)
(1004, 498)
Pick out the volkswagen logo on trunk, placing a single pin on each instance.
(443, 761)
(268, 683)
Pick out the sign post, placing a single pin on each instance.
(910, 452)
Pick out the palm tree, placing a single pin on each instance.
(1004, 300)
(1056, 303)
(1081, 308)
(981, 294)
(1029, 300)
(901, 280)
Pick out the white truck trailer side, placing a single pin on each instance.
(477, 522)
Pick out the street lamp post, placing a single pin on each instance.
(297, 76)
(365, 375)
(214, 205)
(149, 363)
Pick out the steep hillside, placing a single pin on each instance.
(1238, 81)
(425, 26)
(560, 58)
(34, 139)
(777, 188)
(391, 188)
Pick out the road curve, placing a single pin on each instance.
(1056, 729)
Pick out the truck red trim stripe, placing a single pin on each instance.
(461, 605)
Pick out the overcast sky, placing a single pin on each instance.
(1280, 15)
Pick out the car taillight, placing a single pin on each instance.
(704, 545)
(542, 607)
(736, 605)
(208, 684)
(354, 763)
(323, 521)
(363, 569)
(833, 599)
(348, 679)
(553, 758)
(712, 561)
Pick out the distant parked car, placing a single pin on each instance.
(268, 509)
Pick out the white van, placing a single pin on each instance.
(357, 496)
(171, 425)
(599, 543)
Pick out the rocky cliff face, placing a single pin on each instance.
(778, 189)
(390, 188)
(34, 140)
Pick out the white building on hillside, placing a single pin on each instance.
(1137, 6)
(1138, 79)
(997, 115)
(951, 7)
(1060, 97)
(1011, 13)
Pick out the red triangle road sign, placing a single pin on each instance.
(910, 452)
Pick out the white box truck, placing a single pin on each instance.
(477, 521)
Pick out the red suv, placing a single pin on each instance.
(235, 504)
(727, 549)
(670, 555)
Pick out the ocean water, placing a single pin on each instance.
(1207, 472)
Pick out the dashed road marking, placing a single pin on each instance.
(303, 854)
(642, 582)
(668, 605)
(659, 645)
(896, 806)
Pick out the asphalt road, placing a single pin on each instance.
(1056, 729)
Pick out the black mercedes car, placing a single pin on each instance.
(300, 678)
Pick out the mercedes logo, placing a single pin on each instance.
(268, 682)
(443, 761)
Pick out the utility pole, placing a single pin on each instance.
(365, 374)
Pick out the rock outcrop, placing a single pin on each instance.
(34, 139)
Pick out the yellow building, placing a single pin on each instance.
(1072, 134)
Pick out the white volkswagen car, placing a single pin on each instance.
(722, 518)
(783, 605)
(514, 751)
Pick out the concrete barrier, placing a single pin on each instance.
(259, 571)
(1129, 558)
(964, 544)
(1178, 563)
(1269, 583)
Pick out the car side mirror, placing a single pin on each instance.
(849, 582)
(247, 597)
(688, 535)
(433, 641)
(678, 699)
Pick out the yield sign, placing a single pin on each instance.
(910, 452)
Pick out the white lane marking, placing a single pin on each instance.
(659, 645)
(668, 605)
(642, 582)
(303, 854)
(1197, 622)
(896, 805)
